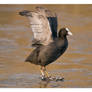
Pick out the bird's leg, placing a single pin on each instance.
(42, 72)
(45, 75)
(46, 72)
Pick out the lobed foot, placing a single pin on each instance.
(43, 78)
(56, 78)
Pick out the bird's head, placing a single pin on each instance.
(64, 32)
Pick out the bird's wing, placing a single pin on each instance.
(40, 26)
(52, 18)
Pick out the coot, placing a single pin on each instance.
(48, 43)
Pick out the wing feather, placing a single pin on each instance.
(40, 28)
(43, 25)
(52, 18)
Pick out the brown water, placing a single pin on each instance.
(15, 37)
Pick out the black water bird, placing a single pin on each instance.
(49, 45)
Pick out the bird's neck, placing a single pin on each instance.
(64, 38)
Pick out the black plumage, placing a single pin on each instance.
(46, 54)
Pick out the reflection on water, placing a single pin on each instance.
(15, 40)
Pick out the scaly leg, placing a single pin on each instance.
(42, 72)
(47, 75)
